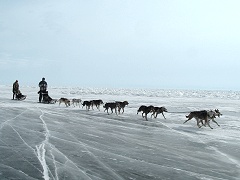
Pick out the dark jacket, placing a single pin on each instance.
(43, 85)
(15, 87)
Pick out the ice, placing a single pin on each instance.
(48, 141)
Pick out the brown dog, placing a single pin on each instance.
(64, 100)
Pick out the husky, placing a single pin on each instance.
(88, 104)
(97, 103)
(76, 102)
(122, 106)
(213, 114)
(158, 110)
(204, 115)
(111, 105)
(145, 110)
(64, 100)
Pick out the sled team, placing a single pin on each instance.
(204, 116)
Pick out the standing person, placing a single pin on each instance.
(43, 88)
(15, 88)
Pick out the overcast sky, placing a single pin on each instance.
(166, 44)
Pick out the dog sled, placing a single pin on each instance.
(20, 96)
(47, 99)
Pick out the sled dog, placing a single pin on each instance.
(97, 103)
(88, 104)
(122, 106)
(145, 110)
(111, 105)
(65, 101)
(204, 115)
(213, 114)
(158, 110)
(76, 102)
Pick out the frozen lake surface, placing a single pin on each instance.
(48, 141)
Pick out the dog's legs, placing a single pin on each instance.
(198, 122)
(146, 116)
(163, 115)
(208, 123)
(116, 111)
(203, 124)
(106, 109)
(119, 110)
(215, 122)
(153, 114)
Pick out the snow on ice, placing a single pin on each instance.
(48, 141)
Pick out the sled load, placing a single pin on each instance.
(47, 99)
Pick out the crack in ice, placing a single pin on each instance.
(237, 163)
(22, 156)
(55, 166)
(18, 171)
(100, 162)
(5, 122)
(41, 151)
